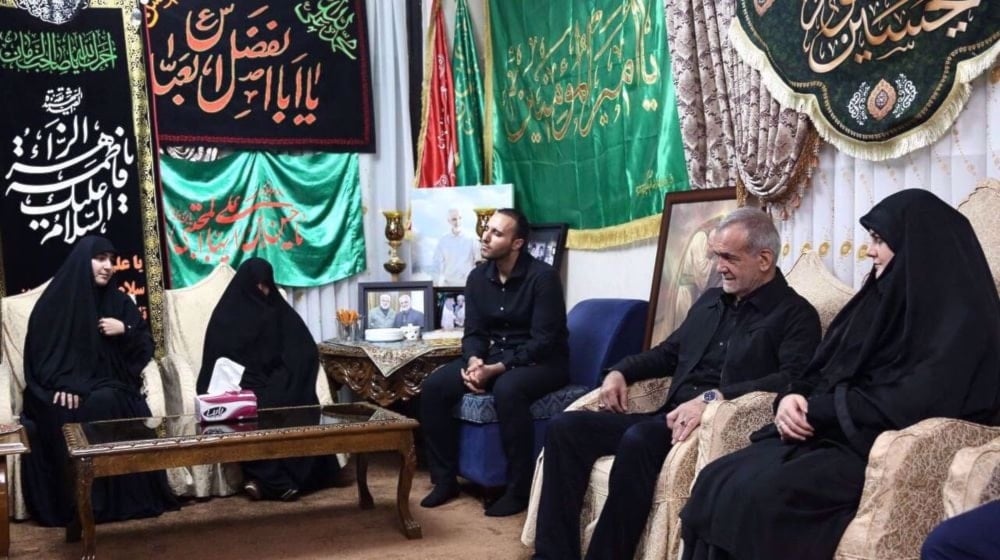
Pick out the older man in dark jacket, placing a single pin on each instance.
(753, 334)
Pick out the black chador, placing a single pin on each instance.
(65, 353)
(255, 327)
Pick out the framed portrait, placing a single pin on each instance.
(685, 266)
(443, 240)
(395, 304)
(449, 308)
(547, 243)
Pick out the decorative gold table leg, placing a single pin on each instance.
(407, 466)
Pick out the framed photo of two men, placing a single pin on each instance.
(396, 304)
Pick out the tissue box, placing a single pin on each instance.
(224, 407)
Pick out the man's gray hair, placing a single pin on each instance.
(761, 233)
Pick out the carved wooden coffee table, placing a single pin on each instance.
(114, 447)
(348, 363)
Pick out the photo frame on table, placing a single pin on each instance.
(685, 267)
(547, 243)
(380, 304)
(449, 308)
(444, 243)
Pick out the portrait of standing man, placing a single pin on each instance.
(455, 254)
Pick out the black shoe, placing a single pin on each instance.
(441, 494)
(289, 495)
(507, 505)
(252, 489)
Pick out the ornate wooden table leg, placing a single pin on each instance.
(365, 500)
(407, 466)
(5, 524)
(84, 474)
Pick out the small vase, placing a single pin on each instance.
(350, 332)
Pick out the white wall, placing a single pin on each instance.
(625, 272)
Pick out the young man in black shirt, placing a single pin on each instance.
(752, 334)
(515, 346)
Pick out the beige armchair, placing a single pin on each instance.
(16, 310)
(902, 498)
(187, 312)
(643, 397)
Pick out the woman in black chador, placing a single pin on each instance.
(921, 339)
(83, 356)
(255, 327)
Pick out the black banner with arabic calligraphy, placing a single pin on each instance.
(72, 160)
(879, 77)
(264, 75)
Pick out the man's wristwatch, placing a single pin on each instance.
(709, 396)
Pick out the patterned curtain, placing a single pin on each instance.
(734, 133)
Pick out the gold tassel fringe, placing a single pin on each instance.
(614, 236)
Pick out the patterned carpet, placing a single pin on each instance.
(326, 524)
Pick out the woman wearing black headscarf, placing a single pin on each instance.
(84, 353)
(255, 327)
(921, 339)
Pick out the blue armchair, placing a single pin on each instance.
(601, 332)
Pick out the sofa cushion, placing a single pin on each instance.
(480, 409)
(811, 279)
(973, 478)
(188, 310)
(16, 310)
(982, 208)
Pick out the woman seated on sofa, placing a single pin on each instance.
(921, 339)
(84, 353)
(255, 327)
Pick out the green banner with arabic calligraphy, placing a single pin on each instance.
(302, 213)
(880, 78)
(585, 121)
(468, 100)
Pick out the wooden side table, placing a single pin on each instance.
(346, 363)
(11, 443)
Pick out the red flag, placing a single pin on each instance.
(436, 157)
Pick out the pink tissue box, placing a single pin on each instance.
(231, 405)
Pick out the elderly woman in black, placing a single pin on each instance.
(255, 327)
(921, 339)
(84, 352)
